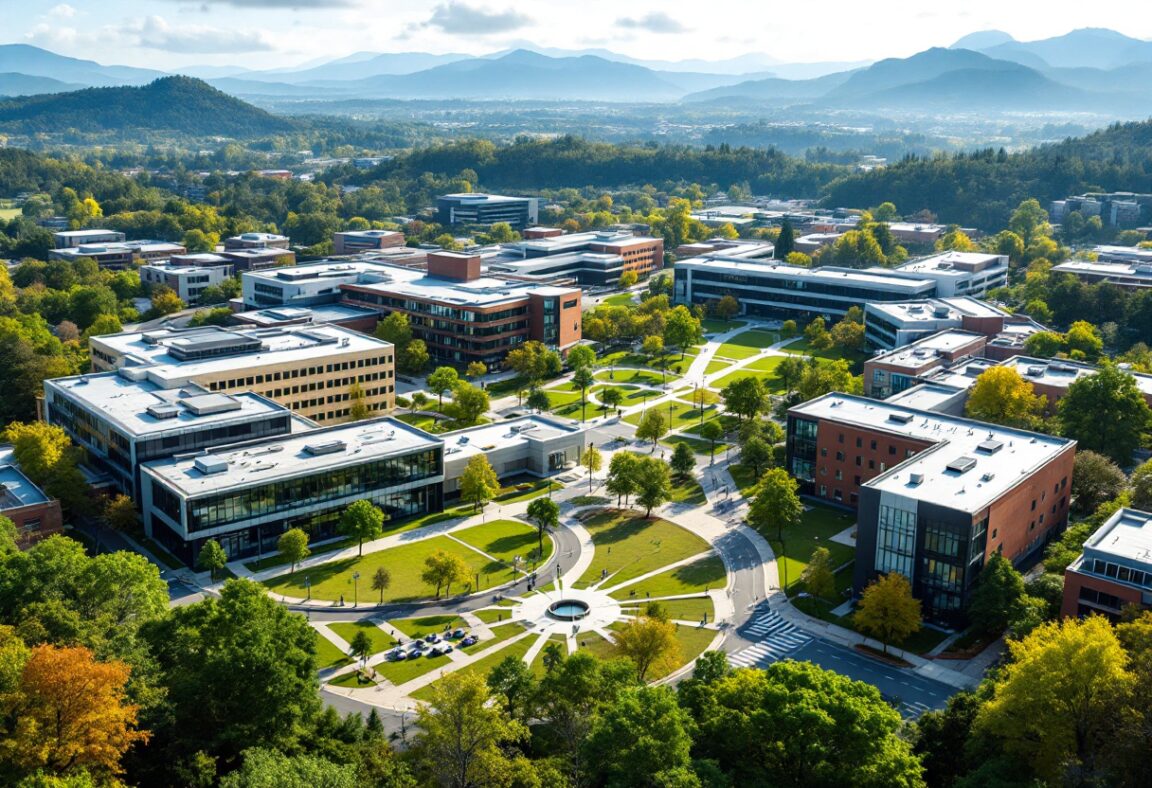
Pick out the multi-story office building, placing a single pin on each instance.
(935, 494)
(894, 325)
(35, 515)
(256, 241)
(959, 273)
(594, 258)
(464, 316)
(258, 258)
(310, 369)
(66, 239)
(1115, 569)
(487, 209)
(1115, 209)
(1123, 266)
(776, 289)
(245, 495)
(357, 241)
(119, 256)
(186, 281)
(897, 370)
(123, 419)
(532, 445)
(353, 317)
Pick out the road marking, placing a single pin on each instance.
(777, 637)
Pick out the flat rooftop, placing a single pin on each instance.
(1126, 535)
(16, 489)
(289, 456)
(922, 351)
(414, 283)
(935, 310)
(165, 352)
(953, 264)
(478, 198)
(928, 396)
(141, 408)
(501, 435)
(970, 464)
(962, 375)
(1133, 270)
(871, 277)
(316, 314)
(1062, 373)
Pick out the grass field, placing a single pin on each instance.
(817, 527)
(690, 609)
(698, 445)
(327, 655)
(688, 491)
(504, 539)
(538, 661)
(381, 640)
(484, 666)
(596, 645)
(491, 616)
(433, 425)
(647, 377)
(801, 346)
(744, 477)
(620, 299)
(714, 326)
(693, 641)
(419, 627)
(702, 575)
(405, 670)
(747, 344)
(684, 414)
(527, 491)
(406, 563)
(628, 546)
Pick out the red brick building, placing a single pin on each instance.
(35, 514)
(1115, 569)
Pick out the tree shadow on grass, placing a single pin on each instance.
(625, 529)
(707, 571)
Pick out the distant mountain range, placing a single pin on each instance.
(1085, 70)
(178, 104)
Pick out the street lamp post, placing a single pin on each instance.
(355, 597)
(308, 585)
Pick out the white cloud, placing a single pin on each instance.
(62, 11)
(153, 32)
(462, 19)
(655, 22)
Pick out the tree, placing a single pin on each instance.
(682, 329)
(476, 369)
(381, 580)
(469, 403)
(361, 646)
(785, 241)
(45, 453)
(533, 362)
(268, 768)
(819, 576)
(68, 714)
(212, 558)
(1000, 395)
(238, 672)
(581, 357)
(756, 454)
(363, 520)
(293, 546)
(414, 359)
(358, 407)
(1096, 479)
(1106, 413)
(955, 240)
(788, 329)
(478, 483)
(790, 372)
(643, 739)
(649, 642)
(120, 514)
(1044, 344)
(711, 431)
(538, 400)
(1141, 485)
(441, 380)
(582, 379)
(166, 302)
(611, 397)
(795, 723)
(622, 470)
(1084, 338)
(999, 589)
(395, 329)
(653, 348)
(652, 426)
(887, 610)
(442, 569)
(1059, 698)
(817, 335)
(848, 335)
(653, 484)
(683, 460)
(727, 308)
(746, 397)
(628, 278)
(775, 503)
(514, 681)
(462, 735)
(593, 460)
(546, 514)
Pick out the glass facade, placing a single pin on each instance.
(370, 480)
(802, 449)
(896, 541)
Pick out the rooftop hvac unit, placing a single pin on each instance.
(163, 410)
(328, 447)
(962, 464)
(209, 464)
(900, 418)
(916, 478)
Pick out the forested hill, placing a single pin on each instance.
(983, 188)
(574, 162)
(179, 104)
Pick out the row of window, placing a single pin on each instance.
(1121, 573)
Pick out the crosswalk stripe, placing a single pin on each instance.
(778, 638)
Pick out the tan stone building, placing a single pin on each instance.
(315, 370)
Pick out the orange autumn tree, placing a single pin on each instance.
(68, 714)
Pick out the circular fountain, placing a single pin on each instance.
(568, 610)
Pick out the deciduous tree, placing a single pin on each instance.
(381, 581)
(293, 546)
(1107, 413)
(887, 610)
(711, 431)
(756, 454)
(652, 426)
(441, 380)
(643, 739)
(775, 503)
(546, 514)
(212, 558)
(746, 397)
(593, 460)
(819, 576)
(1096, 479)
(443, 569)
(622, 475)
(478, 482)
(649, 642)
(653, 483)
(1001, 396)
(683, 461)
(999, 589)
(363, 520)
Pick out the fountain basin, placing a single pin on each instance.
(568, 610)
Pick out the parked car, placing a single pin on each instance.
(470, 640)
(457, 634)
(447, 647)
(433, 638)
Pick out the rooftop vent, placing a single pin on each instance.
(990, 446)
(209, 404)
(328, 447)
(135, 374)
(900, 418)
(916, 478)
(209, 464)
(988, 477)
(1036, 371)
(163, 410)
(962, 464)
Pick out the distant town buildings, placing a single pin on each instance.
(1124, 266)
(1115, 569)
(487, 209)
(1115, 209)
(357, 241)
(35, 515)
(187, 281)
(256, 241)
(120, 255)
(67, 239)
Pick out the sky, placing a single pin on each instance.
(166, 34)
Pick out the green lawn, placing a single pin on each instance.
(628, 546)
(419, 627)
(698, 445)
(381, 641)
(744, 477)
(351, 679)
(620, 299)
(693, 642)
(684, 414)
(694, 396)
(596, 645)
(504, 539)
(433, 425)
(491, 615)
(484, 666)
(690, 609)
(688, 491)
(327, 655)
(801, 346)
(646, 377)
(538, 661)
(406, 563)
(402, 671)
(766, 376)
(8, 214)
(819, 524)
(713, 326)
(527, 491)
(701, 575)
(747, 344)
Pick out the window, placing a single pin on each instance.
(839, 456)
(896, 540)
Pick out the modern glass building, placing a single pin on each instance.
(246, 495)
